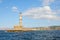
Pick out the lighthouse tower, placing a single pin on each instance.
(20, 20)
(19, 27)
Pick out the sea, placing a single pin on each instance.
(30, 35)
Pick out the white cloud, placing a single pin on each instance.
(41, 13)
(57, 11)
(15, 9)
(47, 2)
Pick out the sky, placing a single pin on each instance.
(36, 13)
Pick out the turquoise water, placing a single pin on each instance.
(31, 35)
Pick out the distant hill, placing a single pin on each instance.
(53, 27)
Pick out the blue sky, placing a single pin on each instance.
(36, 13)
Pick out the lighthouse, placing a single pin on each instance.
(20, 20)
(19, 26)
